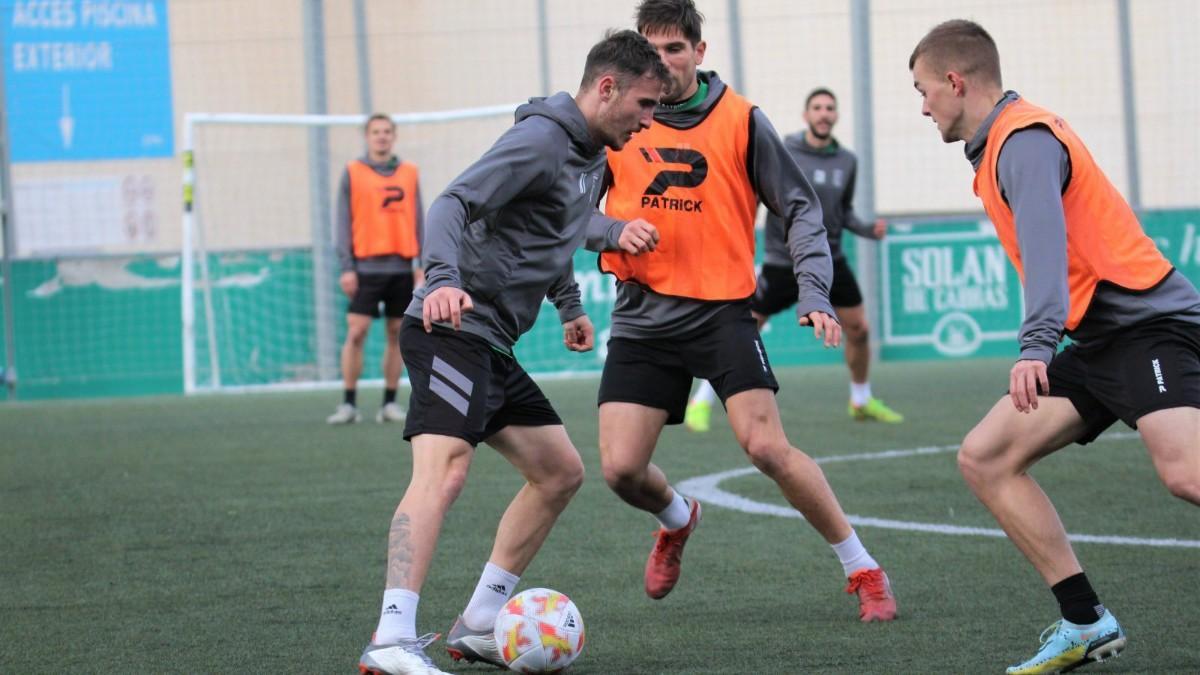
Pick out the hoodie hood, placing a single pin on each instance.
(562, 108)
(683, 118)
(797, 143)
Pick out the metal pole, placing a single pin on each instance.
(320, 209)
(187, 301)
(864, 147)
(735, 46)
(1129, 107)
(364, 57)
(543, 47)
(7, 224)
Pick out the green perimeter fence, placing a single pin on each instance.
(110, 326)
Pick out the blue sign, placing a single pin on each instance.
(87, 79)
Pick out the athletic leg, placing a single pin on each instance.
(357, 327)
(855, 336)
(754, 416)
(995, 458)
(628, 435)
(553, 472)
(1172, 437)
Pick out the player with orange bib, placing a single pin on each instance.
(378, 234)
(1089, 272)
(683, 196)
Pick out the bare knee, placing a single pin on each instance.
(856, 332)
(393, 332)
(767, 452)
(1184, 486)
(566, 480)
(981, 462)
(622, 474)
(621, 477)
(356, 336)
(973, 462)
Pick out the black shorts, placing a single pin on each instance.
(464, 388)
(1147, 368)
(777, 289)
(394, 291)
(658, 373)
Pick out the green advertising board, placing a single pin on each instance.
(111, 325)
(947, 290)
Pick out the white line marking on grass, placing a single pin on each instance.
(707, 489)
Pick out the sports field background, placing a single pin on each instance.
(236, 534)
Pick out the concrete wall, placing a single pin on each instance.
(426, 55)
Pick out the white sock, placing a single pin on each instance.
(676, 515)
(860, 393)
(398, 618)
(495, 587)
(853, 555)
(704, 393)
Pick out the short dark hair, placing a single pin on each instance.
(628, 55)
(378, 116)
(819, 91)
(660, 16)
(959, 45)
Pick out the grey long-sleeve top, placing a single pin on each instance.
(506, 229)
(1034, 170)
(832, 171)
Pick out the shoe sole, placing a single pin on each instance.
(868, 418)
(471, 655)
(878, 617)
(1109, 649)
(460, 655)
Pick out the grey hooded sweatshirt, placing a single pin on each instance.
(641, 313)
(831, 171)
(506, 229)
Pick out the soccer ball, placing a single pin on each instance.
(539, 631)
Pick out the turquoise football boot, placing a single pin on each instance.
(1067, 646)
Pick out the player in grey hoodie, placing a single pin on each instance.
(497, 242)
(832, 170)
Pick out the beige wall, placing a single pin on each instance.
(237, 56)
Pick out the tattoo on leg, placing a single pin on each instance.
(400, 551)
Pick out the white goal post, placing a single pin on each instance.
(259, 303)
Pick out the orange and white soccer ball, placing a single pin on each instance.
(539, 631)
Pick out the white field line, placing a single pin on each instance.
(707, 489)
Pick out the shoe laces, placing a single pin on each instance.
(416, 646)
(1050, 632)
(669, 543)
(869, 585)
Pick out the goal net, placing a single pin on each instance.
(261, 304)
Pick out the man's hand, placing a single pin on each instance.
(880, 230)
(578, 334)
(1024, 381)
(638, 236)
(823, 326)
(349, 283)
(418, 277)
(445, 304)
